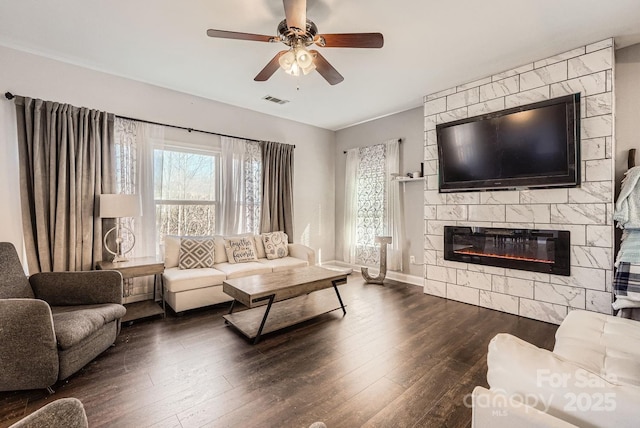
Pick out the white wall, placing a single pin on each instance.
(627, 107)
(10, 222)
(407, 125)
(586, 211)
(627, 115)
(38, 77)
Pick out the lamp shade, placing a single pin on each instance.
(119, 205)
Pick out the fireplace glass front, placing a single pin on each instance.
(526, 249)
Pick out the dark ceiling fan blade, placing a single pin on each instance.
(270, 68)
(222, 34)
(325, 69)
(295, 12)
(350, 40)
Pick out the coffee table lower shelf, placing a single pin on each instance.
(284, 313)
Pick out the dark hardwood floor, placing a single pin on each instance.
(399, 358)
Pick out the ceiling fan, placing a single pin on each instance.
(297, 32)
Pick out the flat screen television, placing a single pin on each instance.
(531, 146)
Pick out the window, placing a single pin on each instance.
(182, 180)
(186, 191)
(372, 203)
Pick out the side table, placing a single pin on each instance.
(137, 267)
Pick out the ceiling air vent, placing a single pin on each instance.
(274, 99)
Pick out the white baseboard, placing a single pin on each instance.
(396, 276)
(403, 277)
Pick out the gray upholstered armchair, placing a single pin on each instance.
(52, 324)
(65, 412)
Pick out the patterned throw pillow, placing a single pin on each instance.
(195, 252)
(241, 249)
(275, 245)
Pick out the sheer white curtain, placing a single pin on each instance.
(394, 221)
(149, 137)
(350, 206)
(373, 205)
(241, 178)
(134, 175)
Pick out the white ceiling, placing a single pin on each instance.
(430, 45)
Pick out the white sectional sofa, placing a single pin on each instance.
(591, 379)
(186, 289)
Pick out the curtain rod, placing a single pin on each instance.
(399, 141)
(10, 96)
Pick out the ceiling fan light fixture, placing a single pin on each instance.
(309, 69)
(297, 59)
(303, 57)
(287, 60)
(295, 70)
(298, 33)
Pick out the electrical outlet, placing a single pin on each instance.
(412, 259)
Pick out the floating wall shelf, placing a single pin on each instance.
(405, 179)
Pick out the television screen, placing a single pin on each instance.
(529, 146)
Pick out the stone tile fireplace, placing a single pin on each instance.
(585, 211)
(532, 250)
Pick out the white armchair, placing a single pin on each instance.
(591, 379)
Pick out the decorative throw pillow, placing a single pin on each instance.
(219, 251)
(259, 247)
(196, 252)
(275, 245)
(241, 249)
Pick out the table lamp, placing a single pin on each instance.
(119, 206)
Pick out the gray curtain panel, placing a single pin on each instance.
(277, 188)
(66, 161)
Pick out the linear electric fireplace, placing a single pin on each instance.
(526, 249)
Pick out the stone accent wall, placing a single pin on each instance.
(585, 211)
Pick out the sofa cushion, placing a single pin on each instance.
(73, 324)
(196, 252)
(171, 251)
(284, 263)
(602, 344)
(241, 249)
(177, 280)
(275, 245)
(237, 270)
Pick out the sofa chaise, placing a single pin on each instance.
(591, 379)
(186, 289)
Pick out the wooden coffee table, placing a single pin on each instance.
(293, 294)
